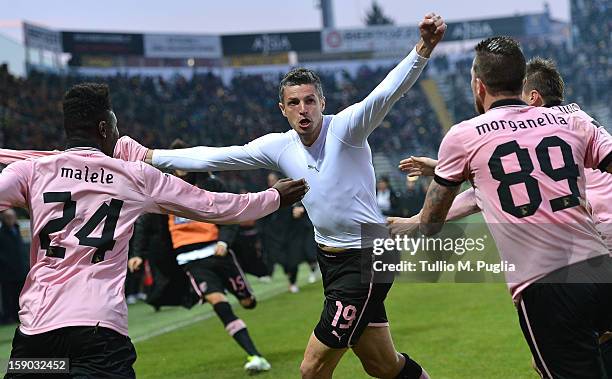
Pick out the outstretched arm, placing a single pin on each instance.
(464, 205)
(260, 153)
(8, 156)
(418, 166)
(168, 194)
(363, 117)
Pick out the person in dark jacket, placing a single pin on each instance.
(152, 242)
(386, 198)
(247, 247)
(13, 266)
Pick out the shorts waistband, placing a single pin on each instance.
(336, 250)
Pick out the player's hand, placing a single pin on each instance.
(399, 226)
(291, 191)
(221, 249)
(418, 166)
(432, 30)
(134, 264)
(298, 212)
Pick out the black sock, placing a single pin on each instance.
(411, 369)
(313, 266)
(244, 340)
(235, 327)
(292, 274)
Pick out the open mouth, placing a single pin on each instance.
(304, 122)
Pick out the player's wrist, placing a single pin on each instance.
(149, 156)
(423, 49)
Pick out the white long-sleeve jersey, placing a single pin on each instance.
(337, 166)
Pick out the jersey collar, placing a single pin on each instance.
(81, 144)
(506, 102)
(84, 148)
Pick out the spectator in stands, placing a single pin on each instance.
(386, 197)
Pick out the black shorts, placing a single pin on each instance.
(93, 352)
(219, 274)
(562, 321)
(353, 300)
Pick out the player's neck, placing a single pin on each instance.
(308, 140)
(73, 142)
(495, 101)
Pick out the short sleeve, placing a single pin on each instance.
(452, 159)
(599, 146)
(14, 185)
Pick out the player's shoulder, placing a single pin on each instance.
(464, 128)
(276, 138)
(21, 167)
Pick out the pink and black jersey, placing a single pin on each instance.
(527, 165)
(598, 184)
(83, 205)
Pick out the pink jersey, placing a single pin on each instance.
(83, 206)
(598, 184)
(526, 164)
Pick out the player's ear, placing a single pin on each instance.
(282, 108)
(535, 99)
(322, 103)
(481, 89)
(102, 129)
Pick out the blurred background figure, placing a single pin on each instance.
(276, 239)
(304, 247)
(13, 266)
(386, 197)
(249, 251)
(412, 199)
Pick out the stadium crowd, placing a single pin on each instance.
(587, 77)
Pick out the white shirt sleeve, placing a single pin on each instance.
(354, 124)
(262, 152)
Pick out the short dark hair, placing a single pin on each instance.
(543, 76)
(299, 76)
(500, 64)
(85, 105)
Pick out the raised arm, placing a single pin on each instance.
(168, 194)
(363, 117)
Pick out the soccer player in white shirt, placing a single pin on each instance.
(332, 153)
